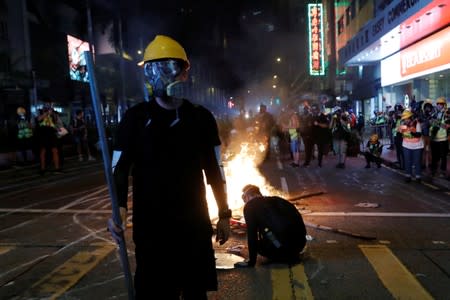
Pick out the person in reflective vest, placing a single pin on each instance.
(24, 137)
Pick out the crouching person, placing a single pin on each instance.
(373, 151)
(275, 228)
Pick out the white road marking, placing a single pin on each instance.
(284, 185)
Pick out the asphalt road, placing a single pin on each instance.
(371, 236)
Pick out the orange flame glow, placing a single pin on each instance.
(242, 169)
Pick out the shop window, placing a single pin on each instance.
(347, 15)
(340, 25)
(350, 12)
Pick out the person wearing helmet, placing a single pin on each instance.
(24, 137)
(439, 125)
(412, 145)
(48, 122)
(168, 143)
(373, 151)
(398, 138)
(424, 115)
(275, 228)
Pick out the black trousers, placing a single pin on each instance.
(372, 158)
(439, 152)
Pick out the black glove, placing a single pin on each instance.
(223, 230)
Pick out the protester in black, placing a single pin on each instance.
(80, 136)
(275, 228)
(168, 144)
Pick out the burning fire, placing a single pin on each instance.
(241, 168)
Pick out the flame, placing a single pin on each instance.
(242, 169)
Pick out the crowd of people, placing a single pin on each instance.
(421, 137)
(306, 126)
(40, 139)
(147, 148)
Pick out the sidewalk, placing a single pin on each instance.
(389, 158)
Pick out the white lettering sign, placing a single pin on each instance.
(421, 55)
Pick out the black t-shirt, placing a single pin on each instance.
(279, 216)
(169, 150)
(321, 134)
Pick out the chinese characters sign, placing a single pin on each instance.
(315, 34)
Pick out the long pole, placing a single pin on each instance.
(115, 223)
(90, 30)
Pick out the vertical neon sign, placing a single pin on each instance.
(315, 34)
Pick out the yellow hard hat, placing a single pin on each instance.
(374, 137)
(441, 100)
(406, 114)
(21, 110)
(164, 47)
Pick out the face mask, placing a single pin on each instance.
(162, 77)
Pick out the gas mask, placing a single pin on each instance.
(163, 77)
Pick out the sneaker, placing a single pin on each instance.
(91, 158)
(80, 158)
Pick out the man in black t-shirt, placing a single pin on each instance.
(80, 136)
(320, 133)
(275, 228)
(167, 144)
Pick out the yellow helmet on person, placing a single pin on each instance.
(406, 114)
(165, 67)
(21, 111)
(374, 138)
(441, 100)
(163, 47)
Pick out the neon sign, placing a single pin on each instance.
(315, 35)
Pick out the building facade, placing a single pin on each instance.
(399, 55)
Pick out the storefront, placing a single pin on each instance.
(419, 72)
(406, 49)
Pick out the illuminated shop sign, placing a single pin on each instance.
(431, 18)
(315, 34)
(392, 17)
(77, 63)
(425, 57)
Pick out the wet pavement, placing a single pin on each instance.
(337, 264)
